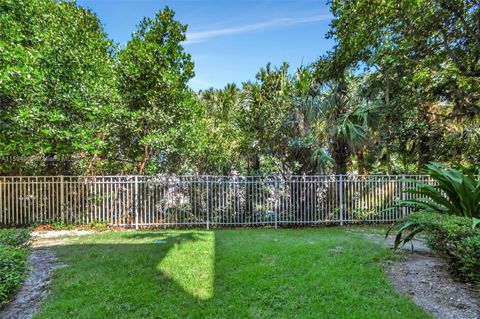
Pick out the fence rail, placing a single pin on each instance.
(207, 201)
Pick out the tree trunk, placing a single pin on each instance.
(146, 157)
(254, 164)
(340, 152)
(388, 156)
(339, 148)
(423, 146)
(423, 152)
(361, 162)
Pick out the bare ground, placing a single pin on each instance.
(42, 262)
(425, 278)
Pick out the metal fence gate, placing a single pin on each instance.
(206, 201)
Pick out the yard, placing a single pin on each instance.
(242, 273)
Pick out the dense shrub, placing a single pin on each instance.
(451, 236)
(13, 261)
(456, 192)
(14, 237)
(449, 213)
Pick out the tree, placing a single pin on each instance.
(57, 82)
(153, 72)
(226, 138)
(276, 114)
(346, 113)
(424, 57)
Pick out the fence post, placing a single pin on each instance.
(62, 200)
(136, 202)
(208, 206)
(402, 196)
(276, 185)
(341, 199)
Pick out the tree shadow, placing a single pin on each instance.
(126, 279)
(205, 274)
(169, 236)
(147, 279)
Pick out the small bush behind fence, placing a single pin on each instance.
(206, 201)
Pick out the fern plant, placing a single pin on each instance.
(456, 192)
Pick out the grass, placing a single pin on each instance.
(257, 273)
(13, 261)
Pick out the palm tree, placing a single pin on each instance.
(346, 117)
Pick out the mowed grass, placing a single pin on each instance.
(244, 273)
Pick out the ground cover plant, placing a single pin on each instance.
(456, 191)
(13, 261)
(452, 237)
(247, 273)
(448, 212)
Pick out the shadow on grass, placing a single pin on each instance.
(217, 274)
(130, 279)
(167, 236)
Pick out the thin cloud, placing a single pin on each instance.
(199, 83)
(196, 37)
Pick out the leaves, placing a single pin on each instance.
(399, 88)
(56, 81)
(456, 192)
(153, 73)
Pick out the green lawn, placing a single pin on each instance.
(257, 273)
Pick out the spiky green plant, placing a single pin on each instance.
(456, 191)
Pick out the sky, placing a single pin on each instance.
(230, 40)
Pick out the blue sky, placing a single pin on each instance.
(230, 40)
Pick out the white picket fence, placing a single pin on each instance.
(206, 201)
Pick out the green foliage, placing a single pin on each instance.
(153, 74)
(289, 122)
(456, 192)
(448, 212)
(13, 261)
(396, 83)
(417, 59)
(14, 237)
(434, 42)
(13, 267)
(452, 236)
(267, 125)
(276, 117)
(57, 85)
(225, 138)
(455, 238)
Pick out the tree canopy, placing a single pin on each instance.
(400, 88)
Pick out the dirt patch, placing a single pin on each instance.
(42, 264)
(416, 245)
(425, 278)
(58, 237)
(60, 233)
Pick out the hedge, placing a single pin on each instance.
(454, 238)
